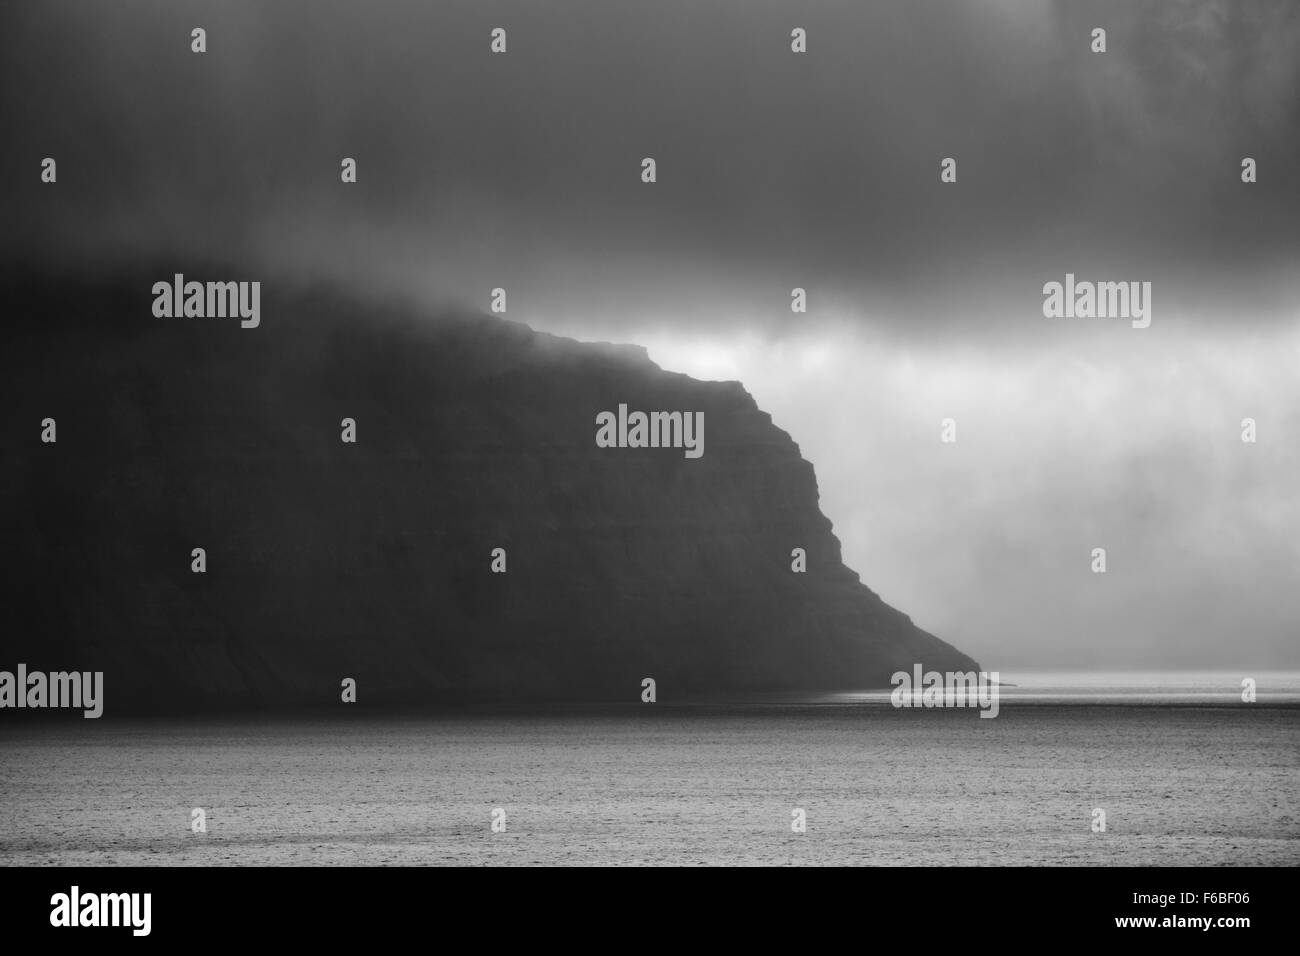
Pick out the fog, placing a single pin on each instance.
(775, 171)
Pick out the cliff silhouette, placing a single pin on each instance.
(371, 560)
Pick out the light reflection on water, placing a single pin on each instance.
(1123, 687)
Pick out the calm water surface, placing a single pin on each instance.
(1187, 775)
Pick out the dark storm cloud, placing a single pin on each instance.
(775, 170)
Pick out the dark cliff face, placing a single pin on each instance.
(371, 560)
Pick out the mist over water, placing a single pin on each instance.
(797, 238)
(1134, 688)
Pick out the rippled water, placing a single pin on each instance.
(1182, 779)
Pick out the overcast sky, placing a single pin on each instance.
(778, 170)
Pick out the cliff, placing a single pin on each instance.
(372, 560)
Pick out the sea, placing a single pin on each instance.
(1076, 769)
